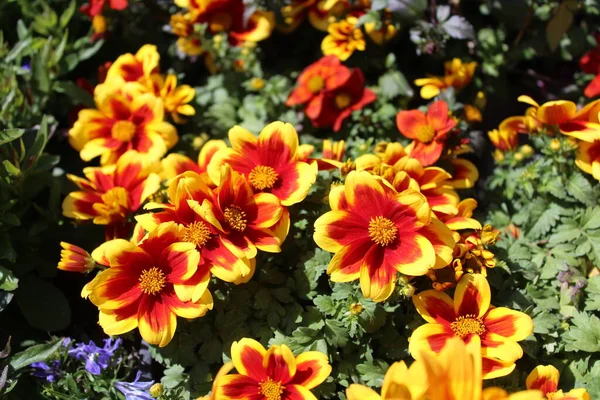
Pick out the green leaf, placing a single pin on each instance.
(545, 222)
(8, 135)
(579, 187)
(36, 353)
(40, 140)
(75, 93)
(8, 281)
(17, 50)
(335, 333)
(43, 305)
(584, 334)
(372, 373)
(173, 376)
(393, 84)
(592, 291)
(67, 14)
(7, 250)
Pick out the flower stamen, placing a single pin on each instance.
(235, 218)
(123, 131)
(466, 325)
(197, 233)
(382, 231)
(152, 281)
(263, 177)
(425, 133)
(271, 389)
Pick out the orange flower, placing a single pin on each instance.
(274, 374)
(113, 193)
(581, 124)
(140, 287)
(545, 378)
(428, 131)
(468, 316)
(318, 11)
(246, 220)
(463, 218)
(269, 162)
(189, 197)
(125, 119)
(377, 232)
(230, 16)
(464, 173)
(316, 79)
(344, 39)
(175, 164)
(457, 75)
(75, 259)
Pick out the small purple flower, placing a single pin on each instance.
(45, 371)
(135, 390)
(96, 358)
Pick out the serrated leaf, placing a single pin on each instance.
(584, 333)
(579, 187)
(592, 291)
(546, 221)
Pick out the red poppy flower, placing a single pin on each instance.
(331, 109)
(428, 131)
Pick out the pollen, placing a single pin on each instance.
(382, 231)
(271, 389)
(342, 100)
(315, 84)
(263, 177)
(152, 281)
(197, 233)
(467, 325)
(425, 133)
(123, 131)
(235, 218)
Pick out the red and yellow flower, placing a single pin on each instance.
(175, 164)
(326, 74)
(343, 39)
(175, 98)
(269, 163)
(400, 382)
(318, 12)
(229, 16)
(377, 232)
(110, 195)
(274, 374)
(95, 7)
(506, 137)
(189, 200)
(590, 64)
(135, 67)
(457, 75)
(581, 124)
(75, 259)
(125, 119)
(246, 220)
(468, 316)
(428, 131)
(545, 378)
(338, 104)
(140, 287)
(588, 158)
(464, 172)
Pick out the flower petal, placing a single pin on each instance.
(248, 356)
(429, 338)
(312, 368)
(472, 295)
(544, 378)
(345, 264)
(280, 363)
(435, 306)
(156, 321)
(511, 324)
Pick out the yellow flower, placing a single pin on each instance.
(472, 114)
(399, 383)
(457, 75)
(344, 39)
(257, 83)
(175, 98)
(545, 378)
(382, 35)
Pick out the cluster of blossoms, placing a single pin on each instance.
(454, 373)
(558, 118)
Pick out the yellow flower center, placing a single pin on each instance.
(123, 131)
(257, 83)
(343, 100)
(152, 281)
(271, 390)
(425, 133)
(263, 177)
(466, 325)
(235, 218)
(382, 231)
(115, 201)
(315, 84)
(220, 22)
(356, 308)
(197, 233)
